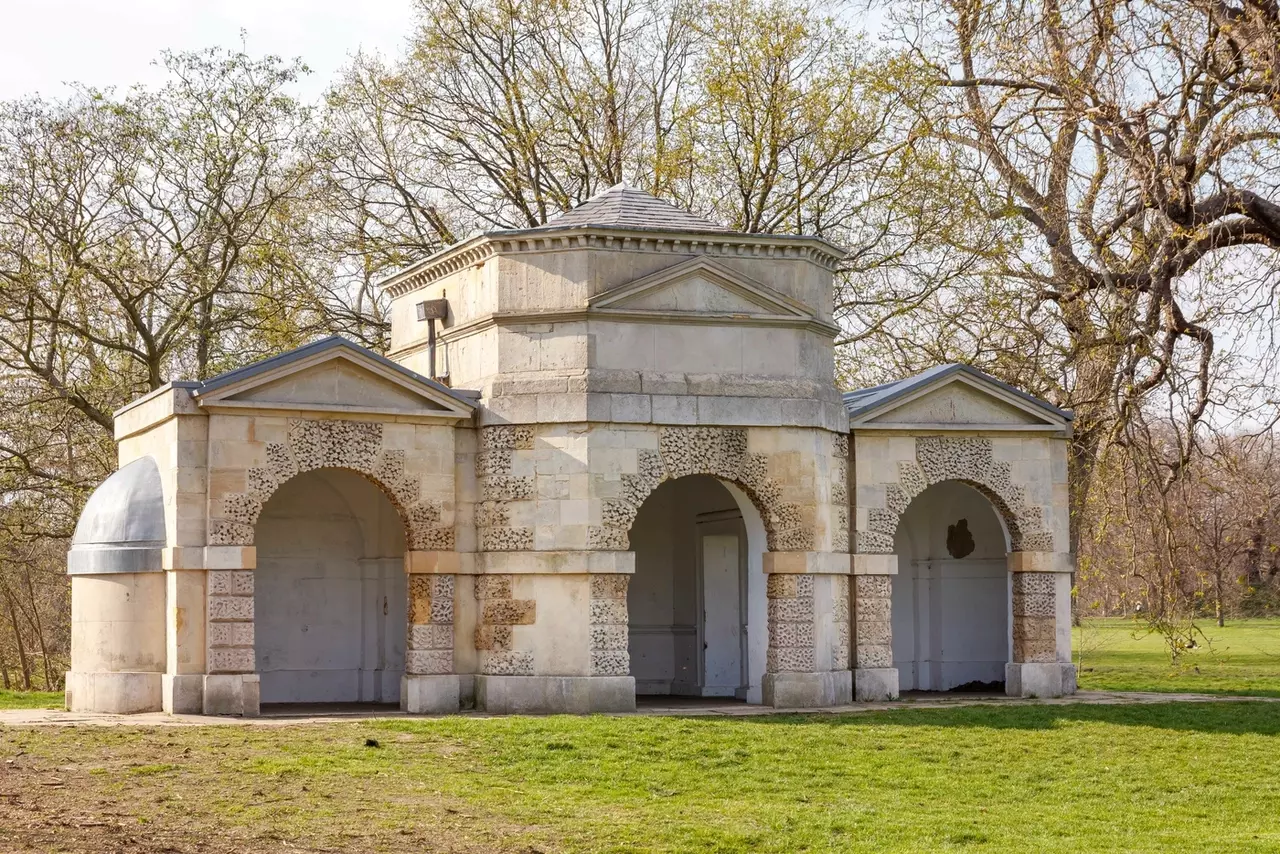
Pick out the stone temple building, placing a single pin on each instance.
(604, 458)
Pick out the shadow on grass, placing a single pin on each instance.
(1257, 718)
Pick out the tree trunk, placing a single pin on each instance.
(4, 670)
(1217, 592)
(37, 625)
(17, 636)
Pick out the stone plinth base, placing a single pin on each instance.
(1039, 680)
(429, 695)
(232, 694)
(545, 695)
(183, 693)
(114, 693)
(875, 684)
(808, 690)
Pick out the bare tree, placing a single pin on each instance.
(1124, 158)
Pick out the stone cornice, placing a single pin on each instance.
(518, 318)
(476, 250)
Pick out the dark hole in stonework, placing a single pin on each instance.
(959, 540)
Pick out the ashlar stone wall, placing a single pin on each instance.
(251, 455)
(1025, 479)
(554, 507)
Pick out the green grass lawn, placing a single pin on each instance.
(1243, 658)
(30, 699)
(1186, 777)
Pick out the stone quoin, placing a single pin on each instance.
(604, 457)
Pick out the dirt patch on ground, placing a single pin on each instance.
(151, 791)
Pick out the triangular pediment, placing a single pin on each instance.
(957, 398)
(700, 286)
(333, 375)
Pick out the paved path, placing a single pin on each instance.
(648, 706)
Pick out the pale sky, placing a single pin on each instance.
(48, 43)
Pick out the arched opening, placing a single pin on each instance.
(697, 606)
(330, 592)
(951, 608)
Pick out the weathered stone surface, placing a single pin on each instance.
(510, 663)
(428, 662)
(967, 459)
(609, 586)
(230, 634)
(230, 583)
(434, 636)
(231, 660)
(493, 587)
(872, 587)
(605, 611)
(493, 638)
(230, 608)
(509, 612)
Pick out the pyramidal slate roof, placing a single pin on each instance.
(621, 206)
(866, 399)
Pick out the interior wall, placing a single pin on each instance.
(330, 592)
(951, 602)
(662, 598)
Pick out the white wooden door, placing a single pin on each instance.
(720, 553)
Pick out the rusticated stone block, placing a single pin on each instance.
(441, 586)
(506, 488)
(879, 632)
(497, 462)
(804, 585)
(872, 656)
(1034, 605)
(230, 583)
(609, 637)
(792, 634)
(431, 637)
(230, 608)
(419, 599)
(606, 611)
(239, 507)
(781, 586)
(432, 538)
(872, 610)
(607, 662)
(493, 638)
(873, 543)
(509, 612)
(428, 662)
(790, 660)
(493, 514)
(506, 539)
(608, 539)
(882, 521)
(872, 587)
(509, 663)
(512, 437)
(493, 587)
(224, 532)
(231, 661)
(441, 610)
(609, 586)
(230, 634)
(790, 610)
(1035, 582)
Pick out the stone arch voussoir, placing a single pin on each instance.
(968, 460)
(719, 452)
(355, 446)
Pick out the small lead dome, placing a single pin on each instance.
(122, 527)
